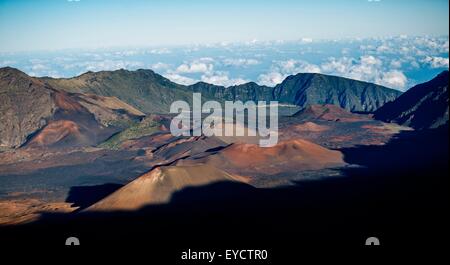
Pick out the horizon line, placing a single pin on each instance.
(304, 40)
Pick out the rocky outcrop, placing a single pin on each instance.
(25, 105)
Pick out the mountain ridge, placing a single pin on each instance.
(97, 98)
(147, 91)
(153, 93)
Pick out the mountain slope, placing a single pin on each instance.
(421, 107)
(24, 102)
(143, 89)
(158, 186)
(34, 113)
(152, 93)
(308, 89)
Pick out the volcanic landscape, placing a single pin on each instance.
(100, 142)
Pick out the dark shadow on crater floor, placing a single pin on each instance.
(84, 196)
(399, 194)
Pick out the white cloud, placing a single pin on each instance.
(252, 42)
(404, 50)
(393, 79)
(375, 60)
(160, 51)
(306, 40)
(179, 79)
(436, 62)
(345, 51)
(195, 68)
(396, 64)
(310, 68)
(103, 65)
(217, 78)
(383, 48)
(160, 66)
(206, 60)
(127, 53)
(271, 79)
(336, 66)
(50, 73)
(370, 60)
(367, 47)
(37, 61)
(240, 62)
(366, 68)
(38, 67)
(7, 63)
(444, 47)
(202, 65)
(431, 45)
(282, 69)
(222, 79)
(205, 67)
(427, 42)
(291, 67)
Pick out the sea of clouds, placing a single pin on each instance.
(397, 62)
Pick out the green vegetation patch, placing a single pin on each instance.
(136, 130)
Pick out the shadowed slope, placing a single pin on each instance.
(306, 89)
(421, 107)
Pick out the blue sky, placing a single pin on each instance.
(395, 43)
(58, 24)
